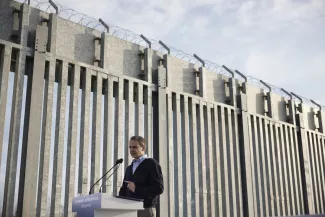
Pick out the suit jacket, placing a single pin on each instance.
(148, 180)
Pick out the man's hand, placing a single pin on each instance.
(130, 186)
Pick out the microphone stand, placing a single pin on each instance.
(100, 189)
(101, 178)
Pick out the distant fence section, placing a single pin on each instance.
(71, 97)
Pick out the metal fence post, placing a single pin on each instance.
(33, 128)
(304, 161)
(160, 122)
(247, 182)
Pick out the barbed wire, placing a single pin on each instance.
(307, 102)
(124, 34)
(214, 67)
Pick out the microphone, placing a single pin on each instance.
(119, 161)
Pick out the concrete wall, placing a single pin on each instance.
(75, 41)
(279, 109)
(122, 57)
(255, 100)
(6, 23)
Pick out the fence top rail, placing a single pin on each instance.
(272, 120)
(316, 133)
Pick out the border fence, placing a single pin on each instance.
(74, 90)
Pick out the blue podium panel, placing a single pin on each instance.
(85, 206)
(100, 204)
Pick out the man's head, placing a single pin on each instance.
(137, 146)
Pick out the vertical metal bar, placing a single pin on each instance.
(107, 147)
(237, 157)
(218, 160)
(140, 115)
(210, 165)
(311, 144)
(41, 209)
(187, 161)
(182, 155)
(44, 153)
(28, 161)
(213, 163)
(316, 169)
(29, 72)
(96, 129)
(118, 148)
(129, 122)
(83, 182)
(148, 120)
(299, 187)
(285, 195)
(175, 151)
(127, 159)
(13, 143)
(171, 193)
(224, 165)
(270, 178)
(245, 150)
(288, 144)
(280, 167)
(195, 178)
(263, 169)
(320, 173)
(274, 169)
(303, 156)
(295, 169)
(256, 144)
(322, 158)
(5, 59)
(203, 161)
(179, 151)
(161, 109)
(251, 128)
(310, 136)
(59, 143)
(72, 142)
(231, 161)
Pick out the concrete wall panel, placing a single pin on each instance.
(215, 86)
(6, 24)
(308, 114)
(122, 57)
(255, 101)
(181, 75)
(279, 109)
(75, 41)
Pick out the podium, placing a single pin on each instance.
(105, 205)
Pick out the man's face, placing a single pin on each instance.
(136, 150)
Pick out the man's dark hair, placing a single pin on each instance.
(140, 140)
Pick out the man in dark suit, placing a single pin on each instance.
(143, 178)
